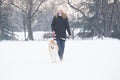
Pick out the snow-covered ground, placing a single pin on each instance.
(83, 60)
(38, 35)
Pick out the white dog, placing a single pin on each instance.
(53, 50)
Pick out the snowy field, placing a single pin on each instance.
(83, 60)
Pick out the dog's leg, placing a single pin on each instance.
(53, 59)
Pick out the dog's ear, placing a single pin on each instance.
(51, 41)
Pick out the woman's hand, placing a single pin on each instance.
(53, 33)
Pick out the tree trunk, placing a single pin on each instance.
(30, 33)
(72, 31)
(106, 18)
(24, 26)
(29, 21)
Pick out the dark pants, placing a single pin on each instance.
(61, 45)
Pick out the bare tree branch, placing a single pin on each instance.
(91, 25)
(2, 1)
(18, 7)
(77, 9)
(37, 8)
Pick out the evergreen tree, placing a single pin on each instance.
(5, 28)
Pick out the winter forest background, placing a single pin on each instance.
(91, 54)
(87, 18)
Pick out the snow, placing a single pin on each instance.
(83, 60)
(38, 35)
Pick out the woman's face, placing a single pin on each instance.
(60, 12)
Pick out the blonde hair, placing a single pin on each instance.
(64, 15)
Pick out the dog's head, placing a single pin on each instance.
(53, 45)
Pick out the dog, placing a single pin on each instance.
(53, 50)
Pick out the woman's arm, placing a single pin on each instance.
(67, 26)
(53, 27)
(53, 24)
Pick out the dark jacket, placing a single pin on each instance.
(60, 25)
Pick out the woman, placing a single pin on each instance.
(59, 26)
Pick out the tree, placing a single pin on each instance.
(105, 16)
(84, 15)
(115, 19)
(5, 27)
(1, 26)
(29, 8)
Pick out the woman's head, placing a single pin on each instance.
(61, 13)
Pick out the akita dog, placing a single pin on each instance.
(53, 50)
